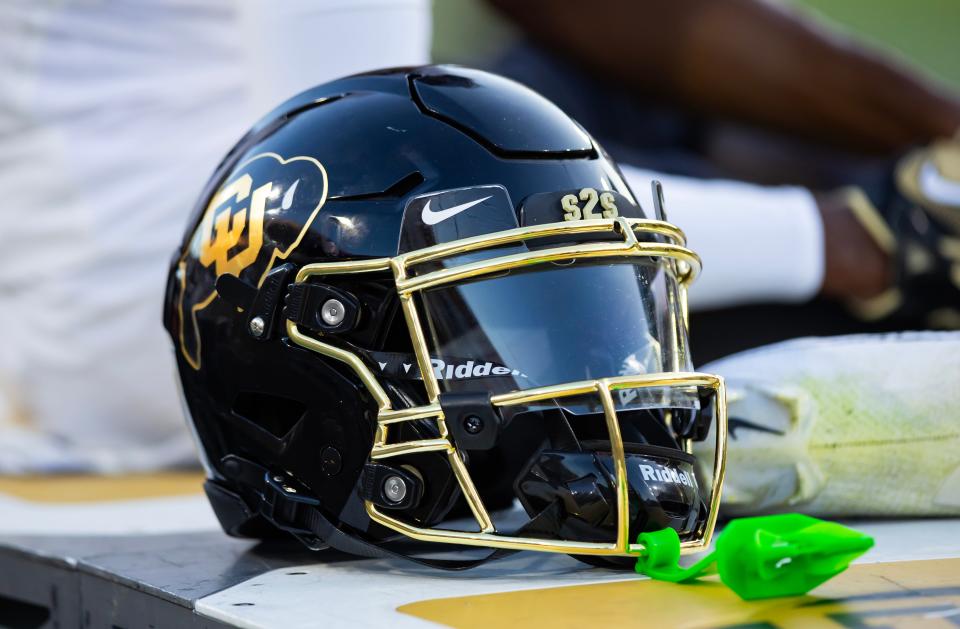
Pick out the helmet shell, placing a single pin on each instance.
(325, 177)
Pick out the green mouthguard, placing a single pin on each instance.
(762, 557)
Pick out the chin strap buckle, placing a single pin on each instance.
(288, 507)
(763, 557)
(278, 498)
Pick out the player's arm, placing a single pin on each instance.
(749, 59)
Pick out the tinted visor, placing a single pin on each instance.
(555, 323)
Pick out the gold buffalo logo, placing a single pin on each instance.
(222, 229)
(230, 238)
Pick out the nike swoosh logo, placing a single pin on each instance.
(432, 218)
(936, 187)
(736, 423)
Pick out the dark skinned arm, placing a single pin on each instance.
(747, 59)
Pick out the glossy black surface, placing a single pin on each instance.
(342, 161)
(579, 485)
(509, 117)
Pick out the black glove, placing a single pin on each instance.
(915, 217)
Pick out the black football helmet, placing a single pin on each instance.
(407, 299)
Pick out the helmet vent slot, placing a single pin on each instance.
(397, 190)
(274, 414)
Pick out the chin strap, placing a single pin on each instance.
(307, 522)
(289, 507)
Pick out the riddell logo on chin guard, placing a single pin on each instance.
(470, 369)
(665, 475)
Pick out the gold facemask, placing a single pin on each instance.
(668, 244)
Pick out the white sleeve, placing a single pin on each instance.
(759, 244)
(295, 44)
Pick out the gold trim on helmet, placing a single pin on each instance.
(684, 263)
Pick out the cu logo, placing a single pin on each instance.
(224, 224)
(230, 238)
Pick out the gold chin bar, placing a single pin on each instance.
(684, 263)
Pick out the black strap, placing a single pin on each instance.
(404, 366)
(544, 524)
(291, 508)
(338, 540)
(393, 364)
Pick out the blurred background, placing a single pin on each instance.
(113, 113)
(681, 136)
(925, 32)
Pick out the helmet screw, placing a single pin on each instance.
(473, 424)
(333, 312)
(289, 489)
(394, 489)
(257, 326)
(330, 461)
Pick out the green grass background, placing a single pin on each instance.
(925, 33)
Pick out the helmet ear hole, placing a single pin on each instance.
(275, 414)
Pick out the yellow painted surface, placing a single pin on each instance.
(902, 594)
(84, 488)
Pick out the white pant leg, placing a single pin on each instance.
(108, 132)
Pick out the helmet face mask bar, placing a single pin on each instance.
(559, 247)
